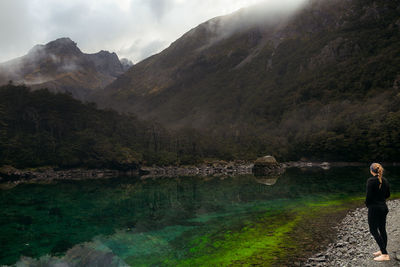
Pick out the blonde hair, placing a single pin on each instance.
(378, 169)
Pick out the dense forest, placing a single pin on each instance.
(41, 128)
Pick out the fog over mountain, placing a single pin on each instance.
(134, 29)
(284, 80)
(61, 66)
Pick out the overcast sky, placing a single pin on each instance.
(134, 29)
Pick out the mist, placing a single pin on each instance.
(265, 15)
(134, 29)
(21, 70)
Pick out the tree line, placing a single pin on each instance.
(41, 128)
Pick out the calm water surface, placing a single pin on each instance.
(161, 221)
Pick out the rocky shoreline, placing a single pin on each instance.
(13, 176)
(210, 169)
(9, 174)
(354, 244)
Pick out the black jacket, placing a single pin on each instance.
(377, 196)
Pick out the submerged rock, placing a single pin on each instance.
(87, 254)
(267, 180)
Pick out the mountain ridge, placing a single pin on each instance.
(167, 66)
(315, 77)
(61, 66)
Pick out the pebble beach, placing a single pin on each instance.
(354, 244)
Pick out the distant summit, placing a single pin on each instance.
(61, 66)
(59, 46)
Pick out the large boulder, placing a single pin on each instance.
(266, 165)
(266, 161)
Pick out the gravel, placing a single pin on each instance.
(354, 244)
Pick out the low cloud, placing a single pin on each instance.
(160, 7)
(142, 49)
(134, 29)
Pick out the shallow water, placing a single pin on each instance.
(171, 221)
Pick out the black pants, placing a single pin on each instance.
(377, 225)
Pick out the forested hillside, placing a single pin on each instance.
(40, 128)
(322, 83)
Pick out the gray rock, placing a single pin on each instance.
(266, 160)
(354, 244)
(266, 166)
(320, 259)
(397, 256)
(339, 245)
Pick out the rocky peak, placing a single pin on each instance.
(106, 54)
(61, 66)
(64, 41)
(106, 62)
(62, 46)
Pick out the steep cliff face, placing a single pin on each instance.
(264, 69)
(61, 66)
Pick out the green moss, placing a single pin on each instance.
(395, 195)
(264, 240)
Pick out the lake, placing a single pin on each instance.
(182, 221)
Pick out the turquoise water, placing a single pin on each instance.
(161, 221)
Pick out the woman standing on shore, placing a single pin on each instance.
(377, 193)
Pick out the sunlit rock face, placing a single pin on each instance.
(62, 67)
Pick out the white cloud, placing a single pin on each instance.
(134, 29)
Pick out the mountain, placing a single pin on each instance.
(61, 66)
(319, 81)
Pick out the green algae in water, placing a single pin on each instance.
(174, 221)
